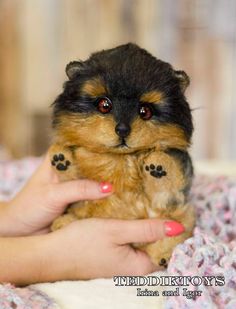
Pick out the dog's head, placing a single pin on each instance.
(123, 100)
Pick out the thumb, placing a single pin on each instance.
(146, 230)
(77, 190)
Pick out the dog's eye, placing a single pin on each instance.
(104, 105)
(145, 112)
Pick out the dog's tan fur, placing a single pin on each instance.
(87, 142)
(154, 97)
(94, 87)
(75, 129)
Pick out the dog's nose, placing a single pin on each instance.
(122, 129)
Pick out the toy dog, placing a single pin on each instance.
(123, 118)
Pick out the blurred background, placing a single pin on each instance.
(38, 38)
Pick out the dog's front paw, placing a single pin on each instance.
(156, 171)
(60, 162)
(163, 263)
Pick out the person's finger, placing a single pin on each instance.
(141, 264)
(77, 190)
(42, 231)
(44, 173)
(146, 230)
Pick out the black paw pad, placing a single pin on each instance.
(155, 171)
(60, 162)
(163, 263)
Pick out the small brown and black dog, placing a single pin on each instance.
(123, 118)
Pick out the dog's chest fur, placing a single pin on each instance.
(136, 193)
(123, 171)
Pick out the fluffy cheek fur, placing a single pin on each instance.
(93, 132)
(97, 133)
(149, 134)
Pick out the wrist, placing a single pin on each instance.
(8, 224)
(4, 218)
(57, 263)
(23, 260)
(3, 206)
(11, 223)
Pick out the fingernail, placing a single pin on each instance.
(105, 187)
(173, 228)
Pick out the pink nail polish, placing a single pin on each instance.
(106, 187)
(173, 228)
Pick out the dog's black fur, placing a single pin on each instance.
(128, 71)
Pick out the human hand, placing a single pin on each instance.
(95, 248)
(43, 199)
(88, 248)
(85, 249)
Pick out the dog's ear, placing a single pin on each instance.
(183, 78)
(73, 69)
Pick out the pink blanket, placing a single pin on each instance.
(24, 298)
(212, 249)
(210, 252)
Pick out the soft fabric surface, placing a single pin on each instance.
(100, 294)
(210, 252)
(24, 298)
(212, 249)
